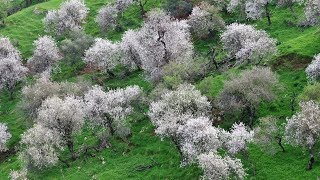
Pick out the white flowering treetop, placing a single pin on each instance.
(160, 41)
(46, 54)
(247, 91)
(303, 128)
(123, 4)
(176, 107)
(8, 50)
(4, 137)
(11, 72)
(198, 136)
(71, 15)
(65, 116)
(238, 138)
(313, 70)
(204, 19)
(183, 115)
(11, 69)
(312, 12)
(34, 94)
(247, 44)
(217, 167)
(41, 146)
(107, 18)
(103, 55)
(130, 50)
(252, 9)
(109, 109)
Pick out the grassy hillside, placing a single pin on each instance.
(147, 157)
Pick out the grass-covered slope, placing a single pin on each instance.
(147, 157)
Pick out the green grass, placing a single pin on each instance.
(127, 161)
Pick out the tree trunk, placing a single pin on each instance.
(292, 11)
(311, 160)
(142, 10)
(268, 13)
(280, 143)
(109, 124)
(70, 145)
(110, 73)
(252, 114)
(213, 58)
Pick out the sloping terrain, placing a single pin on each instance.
(147, 156)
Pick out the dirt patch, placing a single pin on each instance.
(291, 61)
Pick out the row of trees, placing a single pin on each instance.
(61, 110)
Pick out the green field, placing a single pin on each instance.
(147, 156)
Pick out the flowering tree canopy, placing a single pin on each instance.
(103, 55)
(303, 128)
(108, 109)
(313, 70)
(217, 167)
(198, 136)
(247, 44)
(161, 40)
(46, 54)
(11, 69)
(246, 91)
(4, 137)
(41, 146)
(204, 20)
(71, 15)
(176, 107)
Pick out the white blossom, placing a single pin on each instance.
(7, 50)
(11, 72)
(115, 104)
(122, 5)
(245, 43)
(42, 146)
(176, 107)
(238, 137)
(19, 175)
(71, 15)
(198, 136)
(11, 69)
(66, 116)
(303, 128)
(313, 70)
(4, 137)
(162, 40)
(107, 18)
(130, 50)
(202, 20)
(103, 55)
(217, 167)
(312, 12)
(34, 94)
(46, 54)
(248, 89)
